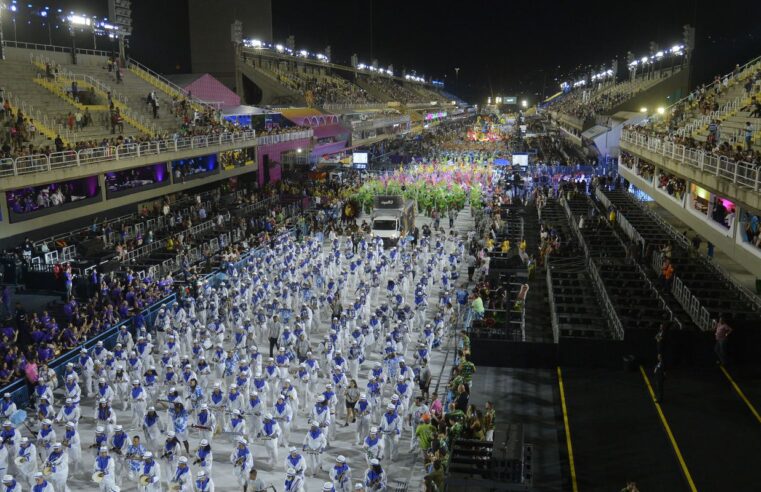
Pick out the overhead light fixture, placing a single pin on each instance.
(643, 110)
(661, 110)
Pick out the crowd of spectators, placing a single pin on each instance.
(672, 184)
(97, 301)
(584, 103)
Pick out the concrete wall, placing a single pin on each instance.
(20, 229)
(747, 197)
(211, 49)
(725, 240)
(667, 92)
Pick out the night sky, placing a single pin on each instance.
(501, 47)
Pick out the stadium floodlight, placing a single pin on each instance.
(643, 110)
(256, 43)
(78, 20)
(280, 48)
(659, 54)
(524, 104)
(661, 110)
(643, 59)
(361, 66)
(304, 53)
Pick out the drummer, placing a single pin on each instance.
(103, 471)
(204, 483)
(10, 437)
(57, 467)
(46, 437)
(182, 477)
(26, 461)
(150, 478)
(42, 485)
(10, 484)
(7, 406)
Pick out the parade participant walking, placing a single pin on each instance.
(150, 474)
(242, 461)
(340, 475)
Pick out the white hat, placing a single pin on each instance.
(47, 422)
(71, 425)
(100, 430)
(118, 428)
(38, 475)
(268, 416)
(390, 406)
(373, 430)
(102, 380)
(135, 381)
(201, 473)
(204, 406)
(57, 445)
(204, 442)
(359, 486)
(327, 486)
(341, 459)
(24, 440)
(7, 478)
(103, 449)
(362, 396)
(374, 461)
(170, 434)
(241, 440)
(147, 455)
(290, 472)
(183, 459)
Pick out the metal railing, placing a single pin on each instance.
(49, 47)
(551, 298)
(57, 160)
(740, 173)
(690, 303)
(605, 302)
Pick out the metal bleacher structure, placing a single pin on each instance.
(286, 77)
(700, 287)
(508, 275)
(674, 145)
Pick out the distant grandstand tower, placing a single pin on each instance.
(210, 46)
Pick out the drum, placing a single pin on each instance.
(20, 460)
(145, 480)
(174, 487)
(97, 477)
(47, 470)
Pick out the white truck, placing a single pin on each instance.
(393, 218)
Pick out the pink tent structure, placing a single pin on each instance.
(206, 88)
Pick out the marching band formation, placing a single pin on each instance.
(290, 343)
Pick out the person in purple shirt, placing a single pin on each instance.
(124, 310)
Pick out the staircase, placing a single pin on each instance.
(18, 78)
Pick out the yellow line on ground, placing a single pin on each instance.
(741, 394)
(571, 462)
(670, 434)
